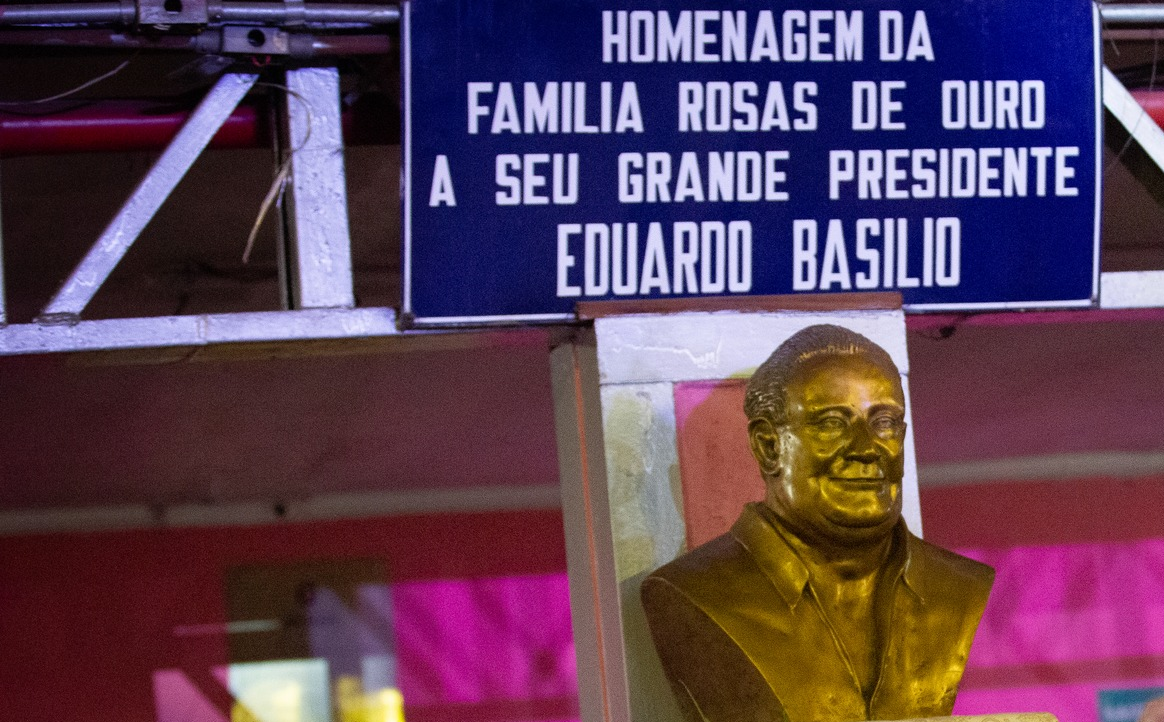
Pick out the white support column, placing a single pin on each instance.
(147, 198)
(594, 591)
(320, 251)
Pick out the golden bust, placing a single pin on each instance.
(819, 605)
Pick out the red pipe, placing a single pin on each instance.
(115, 126)
(141, 125)
(1153, 102)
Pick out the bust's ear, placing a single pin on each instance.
(765, 442)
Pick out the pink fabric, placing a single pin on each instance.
(1069, 702)
(494, 649)
(481, 640)
(1063, 622)
(178, 699)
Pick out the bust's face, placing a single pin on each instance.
(840, 454)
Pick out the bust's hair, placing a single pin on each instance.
(765, 395)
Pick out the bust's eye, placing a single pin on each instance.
(885, 424)
(831, 424)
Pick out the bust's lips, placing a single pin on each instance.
(856, 473)
(875, 484)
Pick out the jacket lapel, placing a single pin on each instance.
(780, 627)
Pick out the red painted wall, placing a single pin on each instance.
(86, 619)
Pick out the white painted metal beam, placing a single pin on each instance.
(350, 505)
(1051, 467)
(148, 197)
(203, 330)
(1132, 289)
(320, 252)
(1133, 117)
(1119, 14)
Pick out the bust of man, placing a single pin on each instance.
(819, 605)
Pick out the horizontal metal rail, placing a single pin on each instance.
(1113, 14)
(204, 330)
(310, 13)
(121, 13)
(210, 40)
(124, 12)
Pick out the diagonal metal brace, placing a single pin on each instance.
(147, 198)
(1133, 117)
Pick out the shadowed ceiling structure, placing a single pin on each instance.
(284, 423)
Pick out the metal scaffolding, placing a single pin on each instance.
(316, 263)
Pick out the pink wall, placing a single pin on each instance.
(480, 605)
(1078, 601)
(87, 619)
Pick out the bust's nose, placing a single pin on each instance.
(861, 446)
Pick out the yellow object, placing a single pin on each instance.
(819, 605)
(355, 705)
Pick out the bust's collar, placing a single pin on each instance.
(787, 572)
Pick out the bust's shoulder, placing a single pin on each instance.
(722, 555)
(702, 585)
(941, 569)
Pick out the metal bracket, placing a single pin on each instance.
(203, 330)
(244, 40)
(172, 12)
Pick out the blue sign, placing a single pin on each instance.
(1125, 705)
(559, 151)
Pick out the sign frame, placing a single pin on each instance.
(415, 317)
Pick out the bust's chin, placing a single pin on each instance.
(838, 527)
(855, 530)
(860, 504)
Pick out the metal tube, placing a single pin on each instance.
(311, 13)
(300, 45)
(332, 45)
(123, 12)
(122, 126)
(68, 13)
(1131, 14)
(118, 126)
(77, 37)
